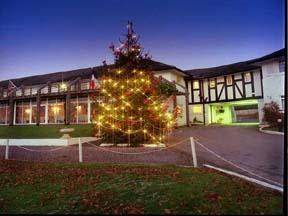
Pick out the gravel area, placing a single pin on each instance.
(93, 154)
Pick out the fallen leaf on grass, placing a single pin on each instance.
(213, 197)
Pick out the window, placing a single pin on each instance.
(56, 112)
(19, 113)
(27, 91)
(282, 66)
(197, 109)
(283, 102)
(43, 106)
(73, 87)
(212, 83)
(34, 91)
(79, 110)
(84, 85)
(178, 78)
(19, 92)
(44, 90)
(54, 88)
(229, 80)
(196, 84)
(23, 112)
(5, 93)
(34, 112)
(26, 112)
(73, 111)
(82, 110)
(247, 77)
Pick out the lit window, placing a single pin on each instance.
(282, 66)
(229, 80)
(247, 77)
(197, 109)
(56, 112)
(195, 84)
(212, 83)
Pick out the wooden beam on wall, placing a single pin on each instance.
(68, 105)
(11, 110)
(68, 100)
(38, 101)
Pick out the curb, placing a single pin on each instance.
(253, 180)
(270, 132)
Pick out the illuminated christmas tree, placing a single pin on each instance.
(133, 109)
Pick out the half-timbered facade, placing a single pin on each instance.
(232, 93)
(224, 94)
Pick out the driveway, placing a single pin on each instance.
(263, 154)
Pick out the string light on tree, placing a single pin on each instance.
(133, 110)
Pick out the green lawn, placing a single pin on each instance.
(43, 131)
(58, 188)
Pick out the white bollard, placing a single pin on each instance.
(80, 151)
(193, 151)
(7, 150)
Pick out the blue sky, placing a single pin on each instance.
(45, 36)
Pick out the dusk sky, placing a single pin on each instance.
(46, 36)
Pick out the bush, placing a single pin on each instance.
(167, 89)
(272, 114)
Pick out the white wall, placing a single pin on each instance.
(173, 75)
(273, 85)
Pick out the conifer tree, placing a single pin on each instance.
(132, 108)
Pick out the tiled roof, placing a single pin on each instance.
(232, 68)
(73, 74)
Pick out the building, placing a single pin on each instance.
(56, 98)
(236, 92)
(224, 94)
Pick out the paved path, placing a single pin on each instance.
(260, 153)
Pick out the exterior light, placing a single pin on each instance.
(63, 86)
(27, 111)
(55, 109)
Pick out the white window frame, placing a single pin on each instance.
(22, 116)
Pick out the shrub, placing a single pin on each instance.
(272, 114)
(167, 89)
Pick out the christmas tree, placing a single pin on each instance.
(132, 107)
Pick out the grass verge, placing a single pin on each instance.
(43, 131)
(63, 188)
